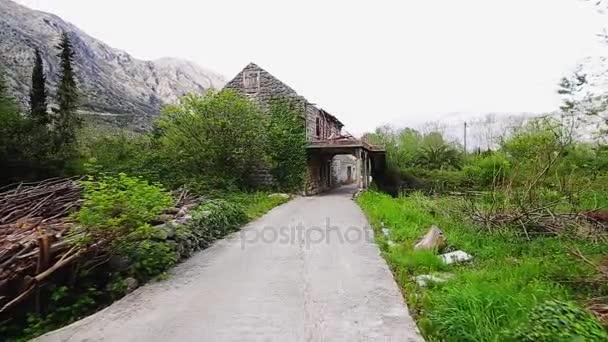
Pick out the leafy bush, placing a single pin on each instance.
(559, 321)
(216, 218)
(219, 135)
(118, 209)
(439, 180)
(487, 170)
(120, 204)
(106, 149)
(437, 157)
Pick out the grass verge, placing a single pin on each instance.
(492, 296)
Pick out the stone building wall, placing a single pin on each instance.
(261, 87)
(340, 166)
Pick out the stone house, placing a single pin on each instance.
(323, 133)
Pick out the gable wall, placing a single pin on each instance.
(270, 87)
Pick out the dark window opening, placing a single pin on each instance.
(318, 129)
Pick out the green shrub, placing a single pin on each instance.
(120, 204)
(113, 150)
(214, 219)
(220, 134)
(559, 321)
(482, 171)
(441, 180)
(118, 209)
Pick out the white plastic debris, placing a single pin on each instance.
(455, 257)
(386, 232)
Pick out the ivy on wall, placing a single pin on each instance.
(287, 144)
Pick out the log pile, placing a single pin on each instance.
(32, 234)
(35, 235)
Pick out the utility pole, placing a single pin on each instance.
(465, 138)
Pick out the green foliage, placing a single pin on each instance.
(67, 121)
(287, 144)
(256, 204)
(120, 203)
(34, 145)
(64, 309)
(487, 170)
(434, 153)
(218, 135)
(555, 321)
(218, 217)
(486, 299)
(38, 102)
(105, 149)
(118, 209)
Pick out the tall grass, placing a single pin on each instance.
(490, 296)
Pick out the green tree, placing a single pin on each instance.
(67, 121)
(13, 127)
(215, 139)
(38, 103)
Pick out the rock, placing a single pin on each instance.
(132, 284)
(455, 257)
(391, 243)
(183, 219)
(432, 240)
(111, 81)
(279, 195)
(425, 279)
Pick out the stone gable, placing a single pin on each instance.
(260, 86)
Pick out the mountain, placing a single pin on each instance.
(112, 82)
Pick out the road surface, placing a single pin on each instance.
(306, 271)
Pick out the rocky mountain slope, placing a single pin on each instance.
(112, 82)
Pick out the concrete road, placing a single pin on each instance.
(306, 271)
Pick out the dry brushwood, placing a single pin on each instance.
(542, 219)
(598, 306)
(48, 199)
(32, 234)
(35, 235)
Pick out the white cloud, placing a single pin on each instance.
(367, 62)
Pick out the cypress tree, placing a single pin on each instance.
(67, 120)
(38, 110)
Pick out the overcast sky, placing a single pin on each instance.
(368, 62)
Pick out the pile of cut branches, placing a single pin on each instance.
(32, 235)
(49, 199)
(540, 219)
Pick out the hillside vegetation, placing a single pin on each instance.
(88, 211)
(533, 216)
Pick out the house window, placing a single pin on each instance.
(318, 129)
(251, 81)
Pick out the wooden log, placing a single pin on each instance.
(433, 240)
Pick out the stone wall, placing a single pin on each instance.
(260, 86)
(340, 165)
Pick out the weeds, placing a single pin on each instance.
(487, 299)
